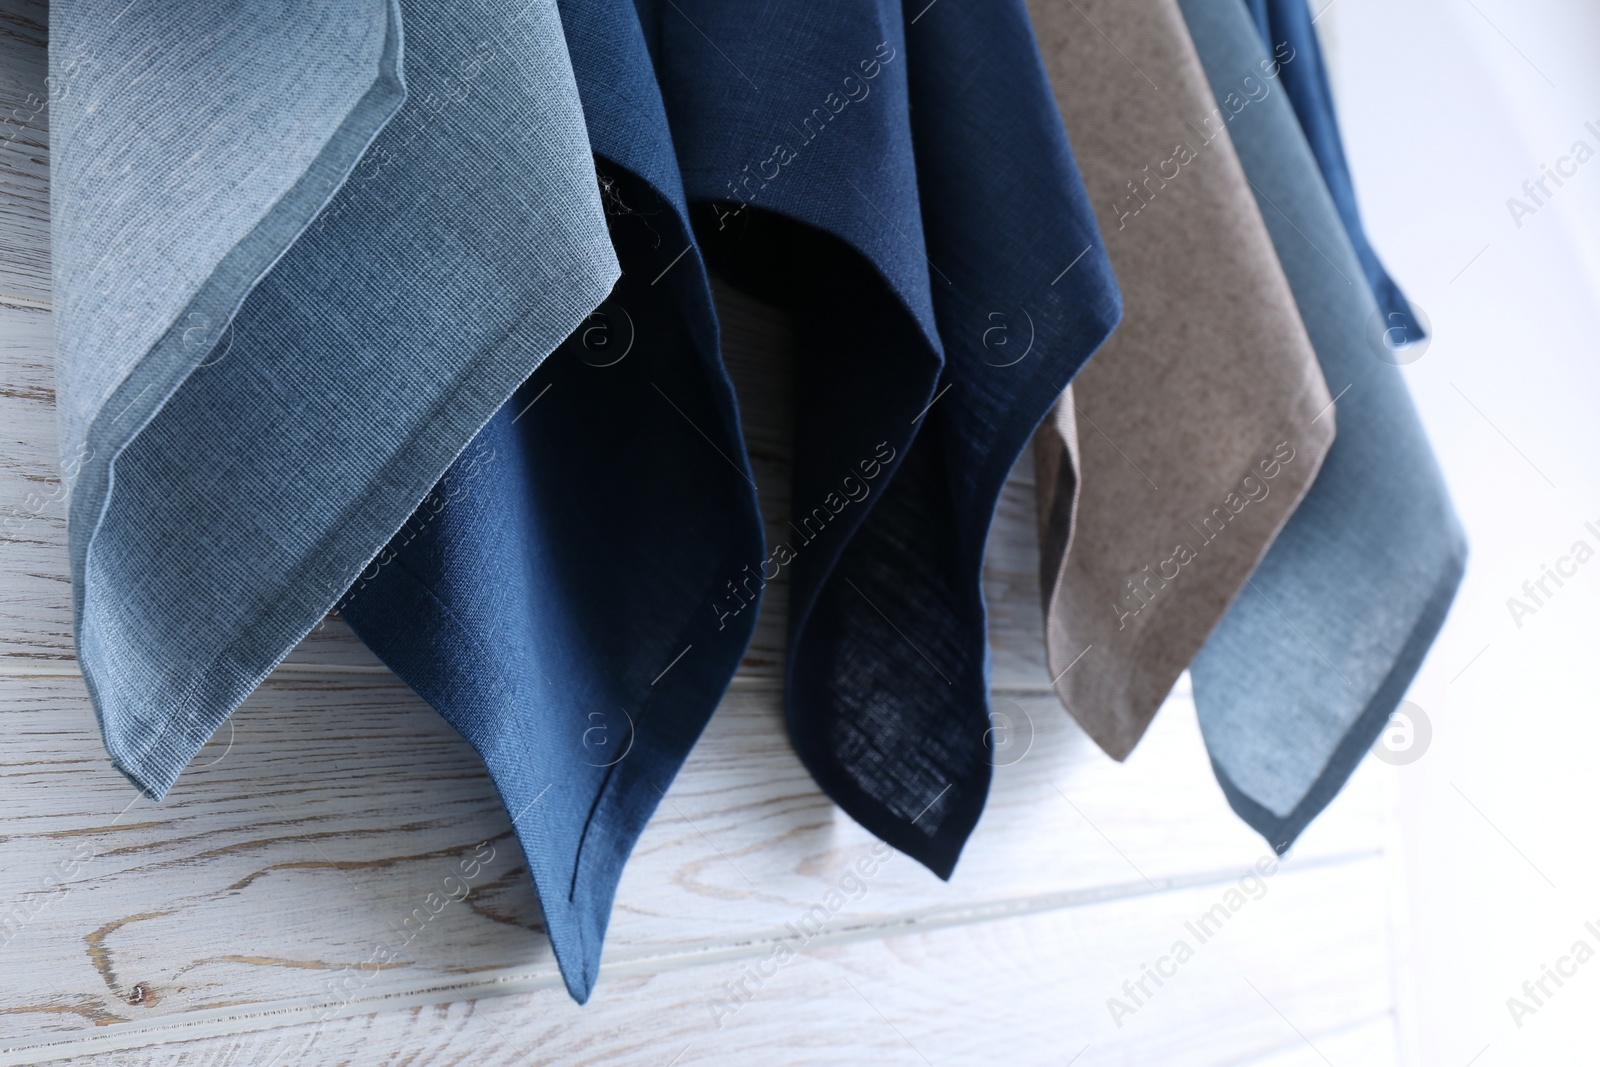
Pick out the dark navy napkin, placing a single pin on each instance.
(898, 179)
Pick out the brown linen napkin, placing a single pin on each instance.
(1204, 419)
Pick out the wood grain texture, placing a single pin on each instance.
(235, 922)
(1028, 990)
(304, 836)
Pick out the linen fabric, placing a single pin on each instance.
(1204, 419)
(1301, 674)
(1288, 25)
(846, 160)
(276, 327)
(554, 598)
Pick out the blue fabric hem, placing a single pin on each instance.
(574, 921)
(153, 768)
(1281, 831)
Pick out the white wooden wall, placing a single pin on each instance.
(229, 924)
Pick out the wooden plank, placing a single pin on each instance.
(307, 832)
(1031, 989)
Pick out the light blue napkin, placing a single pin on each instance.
(288, 291)
(1298, 679)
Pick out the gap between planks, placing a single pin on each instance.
(17, 300)
(42, 668)
(267, 1015)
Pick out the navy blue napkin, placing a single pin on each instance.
(898, 179)
(1287, 30)
(554, 598)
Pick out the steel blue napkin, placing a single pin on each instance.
(1298, 679)
(554, 597)
(277, 326)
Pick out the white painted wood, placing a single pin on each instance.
(1027, 990)
(1370, 1042)
(301, 839)
(208, 929)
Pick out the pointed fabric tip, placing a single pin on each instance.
(243, 328)
(1298, 679)
(576, 597)
(1183, 488)
(941, 306)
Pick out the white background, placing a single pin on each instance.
(1447, 107)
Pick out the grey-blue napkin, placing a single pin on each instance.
(1299, 677)
(302, 253)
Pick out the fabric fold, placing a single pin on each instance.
(1057, 481)
(563, 597)
(1299, 677)
(1287, 26)
(898, 180)
(276, 325)
(1204, 419)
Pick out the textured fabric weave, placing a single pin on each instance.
(258, 394)
(897, 179)
(1298, 679)
(554, 599)
(590, 572)
(1204, 419)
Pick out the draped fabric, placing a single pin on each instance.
(593, 567)
(1298, 679)
(558, 599)
(1287, 25)
(406, 306)
(896, 178)
(1205, 418)
(276, 325)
